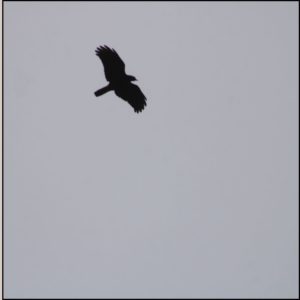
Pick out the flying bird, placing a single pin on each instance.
(119, 81)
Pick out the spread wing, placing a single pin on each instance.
(133, 95)
(114, 67)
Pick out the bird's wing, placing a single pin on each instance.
(114, 67)
(133, 95)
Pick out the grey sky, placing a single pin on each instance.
(197, 196)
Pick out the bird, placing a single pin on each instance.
(119, 81)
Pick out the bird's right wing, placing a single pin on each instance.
(133, 95)
(114, 67)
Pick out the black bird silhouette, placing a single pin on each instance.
(119, 81)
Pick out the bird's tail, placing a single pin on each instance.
(103, 91)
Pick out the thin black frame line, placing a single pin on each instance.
(2, 255)
(132, 1)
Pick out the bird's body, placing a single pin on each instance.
(119, 81)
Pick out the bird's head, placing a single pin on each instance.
(131, 78)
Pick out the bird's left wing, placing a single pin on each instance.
(133, 95)
(114, 66)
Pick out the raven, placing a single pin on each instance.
(119, 81)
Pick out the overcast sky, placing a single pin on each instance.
(197, 196)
